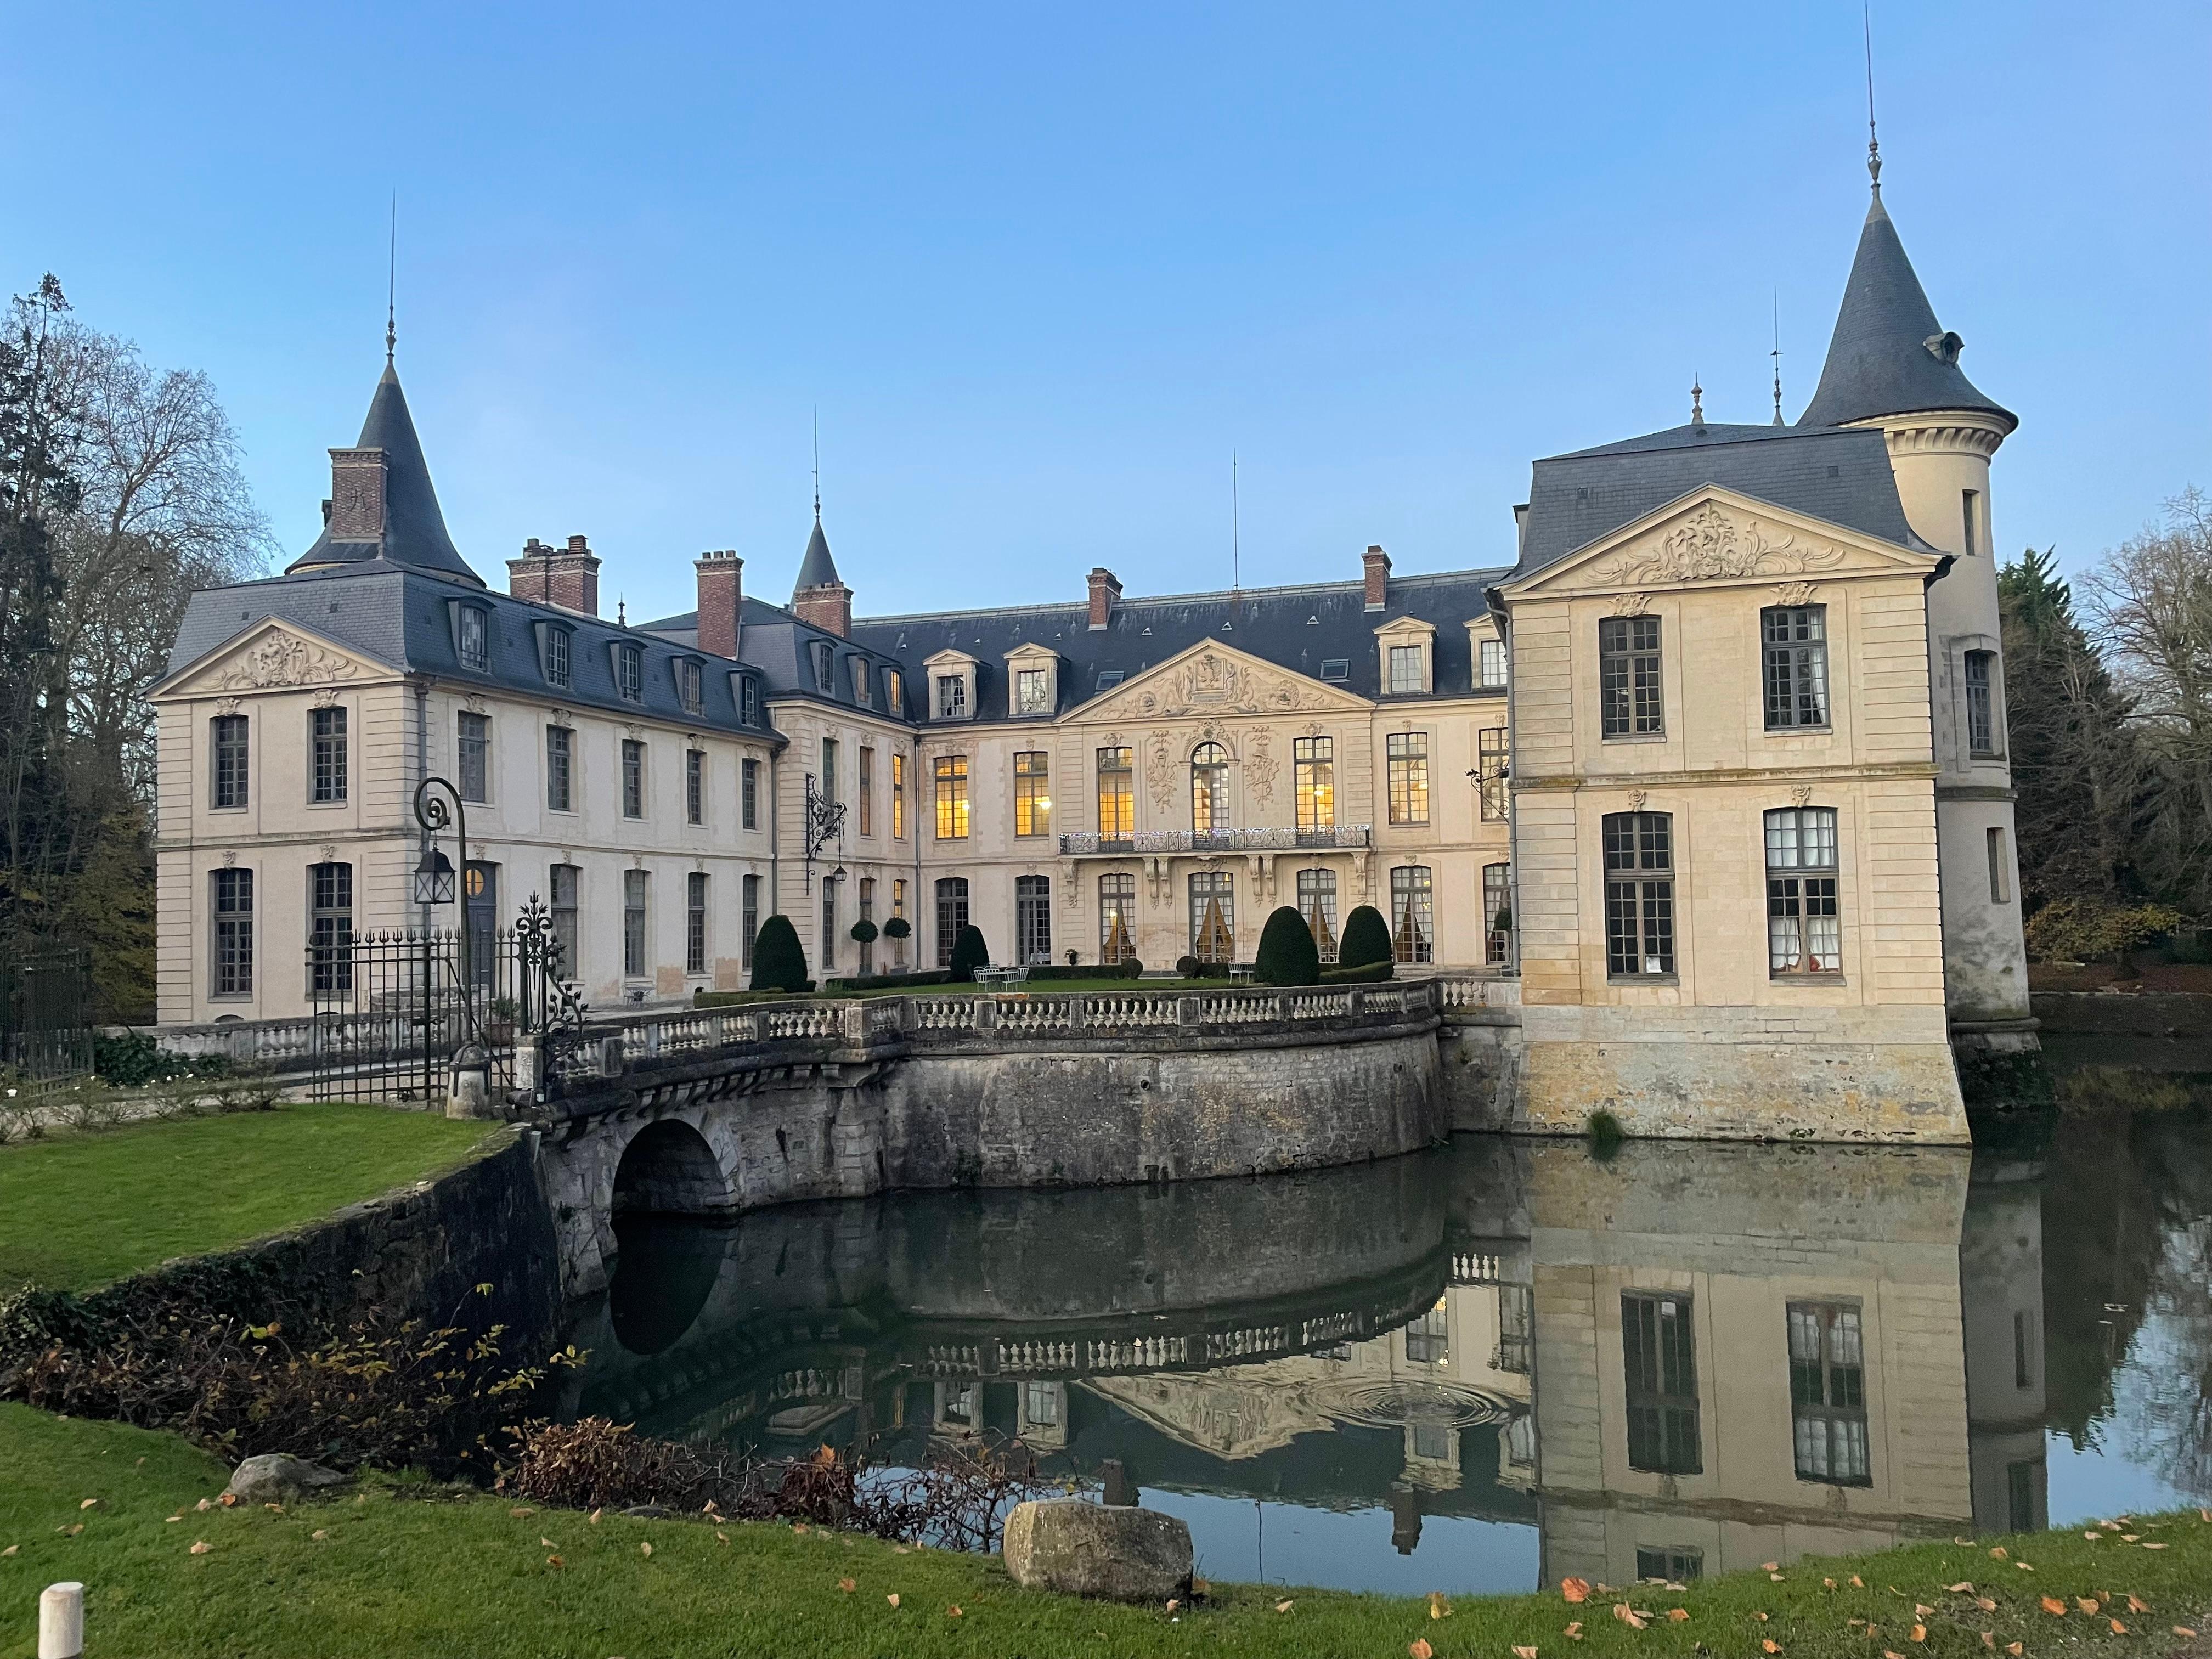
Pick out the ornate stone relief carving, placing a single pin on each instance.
(327, 698)
(1710, 545)
(1260, 767)
(1214, 683)
(474, 703)
(1794, 592)
(229, 704)
(1636, 799)
(1803, 794)
(278, 659)
(563, 718)
(229, 859)
(329, 852)
(1160, 770)
(1311, 729)
(632, 730)
(1632, 604)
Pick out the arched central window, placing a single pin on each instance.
(1209, 787)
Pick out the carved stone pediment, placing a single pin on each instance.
(277, 659)
(1711, 544)
(1218, 681)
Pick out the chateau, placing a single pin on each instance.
(1716, 765)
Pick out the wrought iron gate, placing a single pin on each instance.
(45, 1018)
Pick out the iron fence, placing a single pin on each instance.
(45, 1018)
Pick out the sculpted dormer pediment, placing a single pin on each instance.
(1214, 679)
(1716, 536)
(273, 655)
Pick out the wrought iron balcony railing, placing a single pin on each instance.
(1090, 844)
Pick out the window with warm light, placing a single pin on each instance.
(1117, 794)
(1209, 788)
(1032, 793)
(1313, 761)
(952, 798)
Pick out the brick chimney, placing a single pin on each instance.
(1377, 566)
(829, 607)
(1105, 591)
(721, 591)
(565, 576)
(356, 504)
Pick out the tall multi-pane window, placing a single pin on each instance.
(1981, 706)
(951, 696)
(898, 899)
(227, 752)
(694, 786)
(1033, 919)
(1491, 669)
(1117, 918)
(1827, 1393)
(633, 777)
(474, 639)
(1639, 894)
(1117, 794)
(868, 916)
(1213, 915)
(1516, 1329)
(1794, 663)
(863, 693)
(952, 798)
(1497, 912)
(828, 784)
(1628, 677)
(633, 962)
(560, 747)
(1804, 928)
(1406, 668)
(565, 883)
(898, 795)
(748, 918)
(895, 690)
(825, 667)
(1408, 754)
(867, 802)
(691, 689)
(749, 699)
(1413, 914)
(1032, 691)
(1032, 793)
(1317, 904)
(232, 937)
(330, 929)
(828, 947)
(629, 673)
(1209, 787)
(1314, 762)
(328, 727)
(695, 923)
(1490, 762)
(749, 794)
(556, 656)
(473, 750)
(951, 915)
(1428, 1338)
(1659, 1353)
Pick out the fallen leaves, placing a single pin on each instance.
(200, 1546)
(1629, 1616)
(2054, 1607)
(203, 1506)
(954, 1612)
(1438, 1607)
(1678, 1615)
(520, 1514)
(2119, 1629)
(89, 1504)
(9, 1551)
(2154, 1546)
(1920, 1632)
(892, 1598)
(1575, 1589)
(2016, 1648)
(1768, 1566)
(2135, 1605)
(1857, 1582)
(1283, 1606)
(1524, 1653)
(318, 1534)
(2184, 1630)
(847, 1585)
(1768, 1644)
(1996, 1552)
(1985, 1604)
(1964, 1587)
(555, 1561)
(1419, 1648)
(2085, 1603)
(1574, 1631)
(645, 1550)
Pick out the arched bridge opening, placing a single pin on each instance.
(668, 1169)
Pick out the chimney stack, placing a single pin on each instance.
(721, 591)
(1105, 591)
(356, 509)
(565, 576)
(1377, 566)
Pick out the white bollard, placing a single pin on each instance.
(61, 1622)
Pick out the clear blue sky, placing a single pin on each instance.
(1042, 268)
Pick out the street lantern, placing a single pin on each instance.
(434, 878)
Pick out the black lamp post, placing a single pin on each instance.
(434, 875)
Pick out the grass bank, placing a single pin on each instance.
(78, 1211)
(394, 1569)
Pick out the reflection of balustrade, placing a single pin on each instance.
(1279, 839)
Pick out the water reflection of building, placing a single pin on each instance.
(1744, 1354)
(2000, 1285)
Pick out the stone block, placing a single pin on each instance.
(1079, 1548)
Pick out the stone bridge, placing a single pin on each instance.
(714, 1111)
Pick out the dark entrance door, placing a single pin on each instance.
(480, 889)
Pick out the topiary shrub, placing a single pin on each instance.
(1366, 939)
(1187, 967)
(1288, 955)
(1368, 973)
(969, 953)
(898, 927)
(779, 963)
(863, 931)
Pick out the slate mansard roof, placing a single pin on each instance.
(782, 649)
(1841, 475)
(415, 533)
(404, 619)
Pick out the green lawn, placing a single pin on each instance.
(79, 1210)
(397, 1570)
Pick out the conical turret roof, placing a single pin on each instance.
(818, 568)
(1889, 355)
(415, 531)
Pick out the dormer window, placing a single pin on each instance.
(1493, 667)
(1033, 692)
(629, 673)
(688, 684)
(472, 638)
(744, 691)
(951, 696)
(825, 667)
(1405, 669)
(896, 695)
(553, 647)
(1335, 670)
(1408, 657)
(860, 689)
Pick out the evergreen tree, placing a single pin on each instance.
(969, 953)
(2083, 798)
(1288, 955)
(778, 961)
(1366, 939)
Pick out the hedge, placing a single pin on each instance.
(969, 953)
(1287, 953)
(1367, 972)
(1366, 939)
(779, 963)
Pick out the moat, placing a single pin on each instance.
(1497, 1362)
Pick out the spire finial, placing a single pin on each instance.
(1777, 355)
(817, 464)
(1697, 405)
(1874, 142)
(392, 285)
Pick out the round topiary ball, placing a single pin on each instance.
(863, 931)
(1366, 939)
(1187, 967)
(779, 963)
(897, 927)
(1288, 955)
